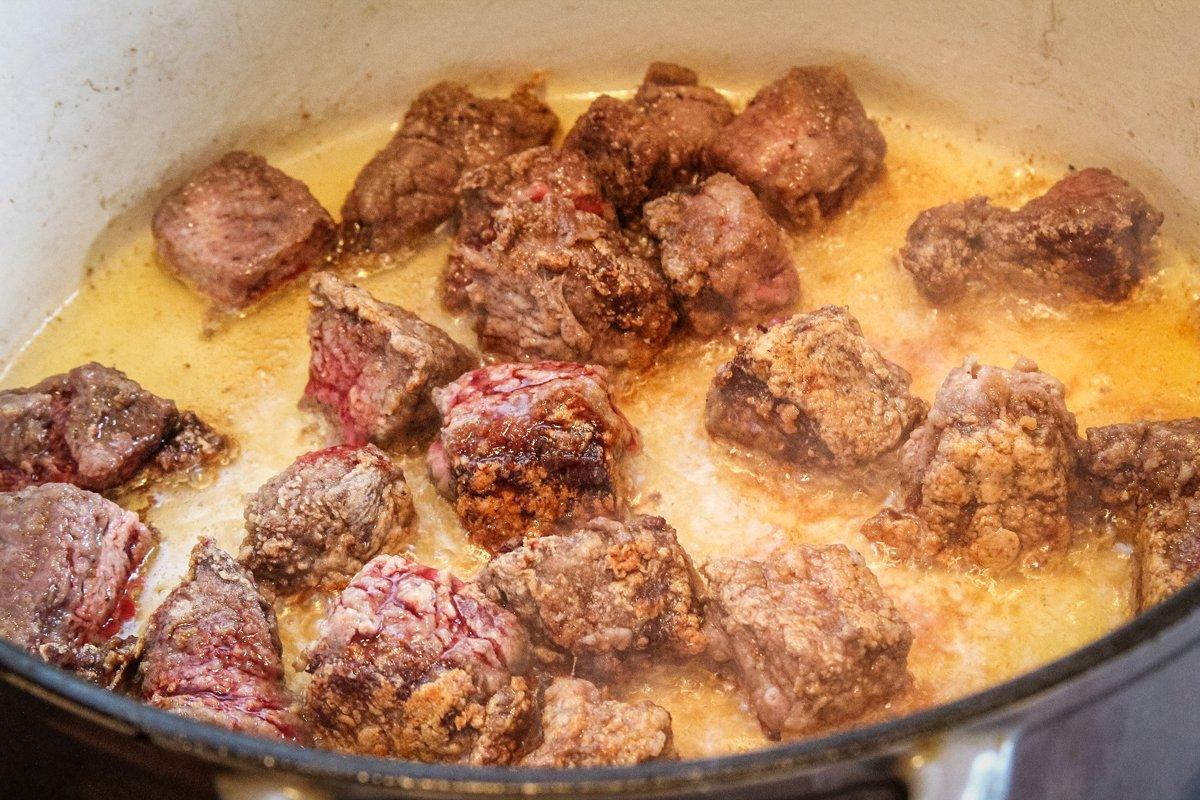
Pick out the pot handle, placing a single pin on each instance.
(973, 765)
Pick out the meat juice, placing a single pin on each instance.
(1122, 362)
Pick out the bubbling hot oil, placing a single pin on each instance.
(1138, 359)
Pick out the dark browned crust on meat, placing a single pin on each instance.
(804, 144)
(644, 148)
(1149, 473)
(559, 280)
(529, 174)
(1090, 235)
(96, 428)
(410, 187)
(522, 470)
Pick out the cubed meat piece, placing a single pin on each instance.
(409, 187)
(804, 144)
(509, 719)
(986, 480)
(605, 589)
(727, 261)
(315, 524)
(1089, 235)
(1132, 465)
(526, 448)
(374, 365)
(813, 390)
(212, 652)
(672, 98)
(1166, 550)
(68, 560)
(559, 280)
(96, 428)
(1150, 473)
(581, 727)
(407, 661)
(240, 228)
(816, 642)
(529, 175)
(645, 147)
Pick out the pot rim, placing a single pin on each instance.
(238, 749)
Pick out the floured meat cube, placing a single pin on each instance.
(605, 589)
(815, 640)
(814, 391)
(727, 261)
(212, 652)
(374, 365)
(1167, 550)
(988, 476)
(1151, 472)
(644, 148)
(1089, 235)
(529, 175)
(315, 524)
(1134, 464)
(240, 228)
(581, 727)
(525, 448)
(96, 428)
(68, 560)
(804, 144)
(509, 720)
(407, 661)
(409, 187)
(558, 280)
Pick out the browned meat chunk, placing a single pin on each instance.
(804, 145)
(409, 187)
(315, 524)
(558, 279)
(1134, 464)
(581, 727)
(727, 261)
(97, 429)
(374, 365)
(1151, 472)
(815, 640)
(603, 590)
(527, 176)
(1089, 235)
(525, 448)
(407, 661)
(644, 148)
(212, 652)
(988, 476)
(814, 391)
(239, 228)
(509, 719)
(68, 560)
